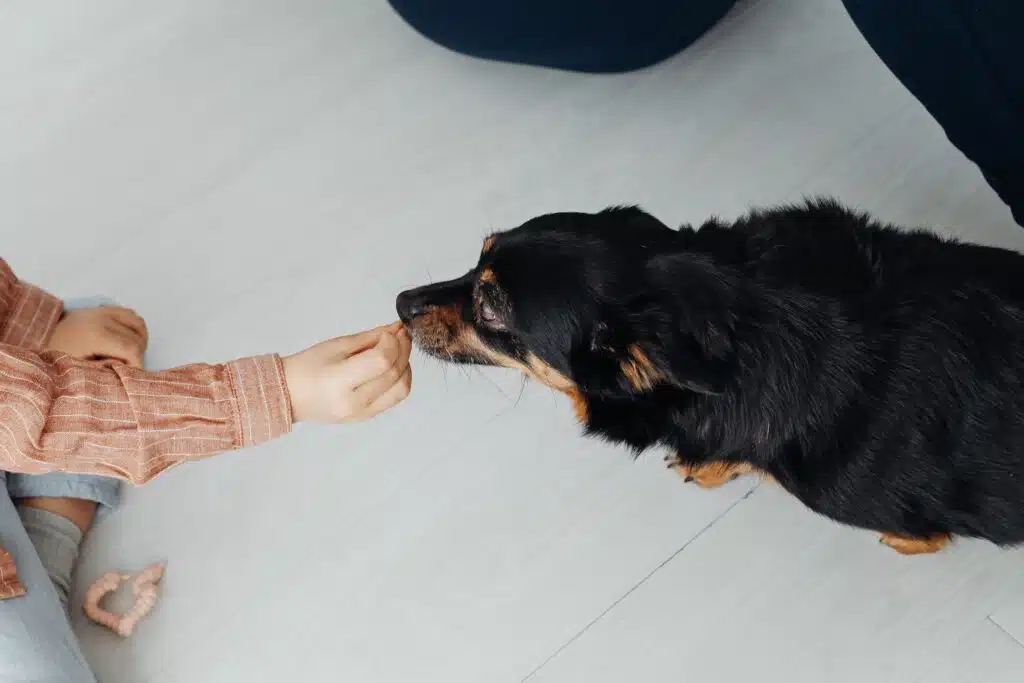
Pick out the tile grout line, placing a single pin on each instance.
(579, 634)
(1000, 627)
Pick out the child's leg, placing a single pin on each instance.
(36, 641)
(78, 511)
(57, 509)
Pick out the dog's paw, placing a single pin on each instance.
(709, 475)
(907, 545)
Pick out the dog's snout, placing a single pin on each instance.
(412, 303)
(409, 305)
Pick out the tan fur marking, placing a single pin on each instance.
(444, 331)
(711, 475)
(438, 329)
(468, 341)
(449, 315)
(547, 375)
(488, 244)
(540, 371)
(639, 370)
(905, 545)
(579, 405)
(487, 275)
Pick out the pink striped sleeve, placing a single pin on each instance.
(27, 313)
(59, 413)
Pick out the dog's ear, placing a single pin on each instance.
(679, 333)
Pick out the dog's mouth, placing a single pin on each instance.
(450, 343)
(439, 329)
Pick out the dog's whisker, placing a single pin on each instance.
(490, 381)
(554, 396)
(522, 390)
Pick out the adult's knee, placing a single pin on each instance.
(595, 36)
(965, 68)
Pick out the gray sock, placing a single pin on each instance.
(57, 541)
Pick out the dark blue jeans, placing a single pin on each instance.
(963, 59)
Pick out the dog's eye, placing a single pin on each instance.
(487, 313)
(488, 316)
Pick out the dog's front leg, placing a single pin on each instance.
(908, 545)
(709, 475)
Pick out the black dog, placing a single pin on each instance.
(876, 374)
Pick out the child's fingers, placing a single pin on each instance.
(368, 392)
(122, 347)
(115, 333)
(352, 344)
(133, 360)
(371, 363)
(130, 336)
(129, 319)
(124, 334)
(404, 350)
(400, 355)
(397, 393)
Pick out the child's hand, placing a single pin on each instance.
(350, 378)
(106, 333)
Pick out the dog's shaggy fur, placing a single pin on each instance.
(877, 374)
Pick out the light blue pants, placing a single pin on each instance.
(37, 644)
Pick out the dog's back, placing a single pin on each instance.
(913, 419)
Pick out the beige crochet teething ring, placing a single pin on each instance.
(144, 587)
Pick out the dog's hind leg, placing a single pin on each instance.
(907, 545)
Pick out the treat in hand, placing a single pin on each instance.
(350, 378)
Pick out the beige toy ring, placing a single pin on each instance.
(144, 588)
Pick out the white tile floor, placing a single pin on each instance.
(258, 175)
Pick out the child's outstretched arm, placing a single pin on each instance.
(62, 413)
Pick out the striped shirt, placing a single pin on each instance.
(62, 414)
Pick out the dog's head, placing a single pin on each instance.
(608, 305)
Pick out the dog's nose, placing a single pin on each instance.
(409, 306)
